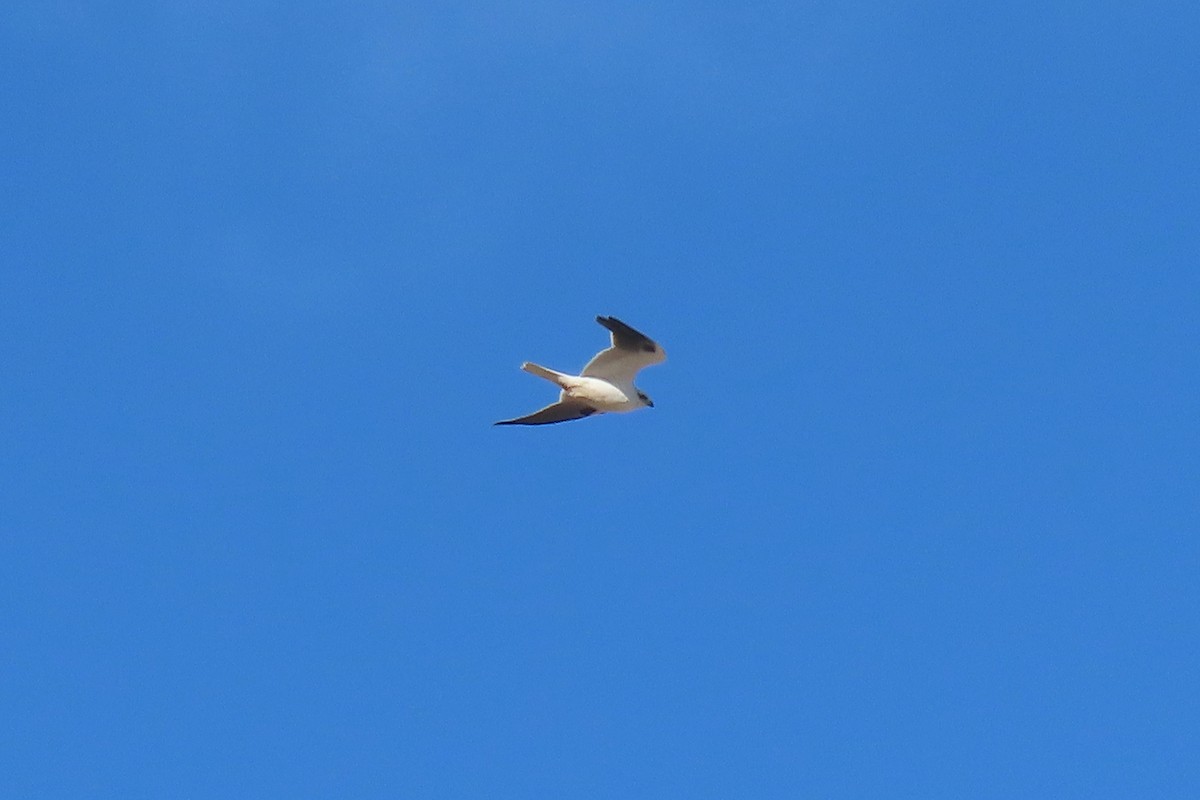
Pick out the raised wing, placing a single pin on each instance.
(562, 411)
(631, 351)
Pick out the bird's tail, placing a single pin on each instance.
(549, 374)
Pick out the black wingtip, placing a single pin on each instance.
(611, 323)
(626, 336)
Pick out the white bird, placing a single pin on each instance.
(606, 384)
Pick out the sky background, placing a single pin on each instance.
(916, 513)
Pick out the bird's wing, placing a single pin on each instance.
(563, 411)
(631, 350)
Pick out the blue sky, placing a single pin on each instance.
(915, 514)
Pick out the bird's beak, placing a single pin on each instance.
(650, 403)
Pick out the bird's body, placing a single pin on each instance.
(601, 394)
(606, 384)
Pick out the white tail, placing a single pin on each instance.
(548, 374)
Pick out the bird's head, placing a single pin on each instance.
(645, 398)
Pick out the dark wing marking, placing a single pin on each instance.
(562, 411)
(626, 338)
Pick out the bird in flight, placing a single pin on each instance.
(606, 384)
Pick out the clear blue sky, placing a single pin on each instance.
(916, 513)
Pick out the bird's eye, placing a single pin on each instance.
(649, 348)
